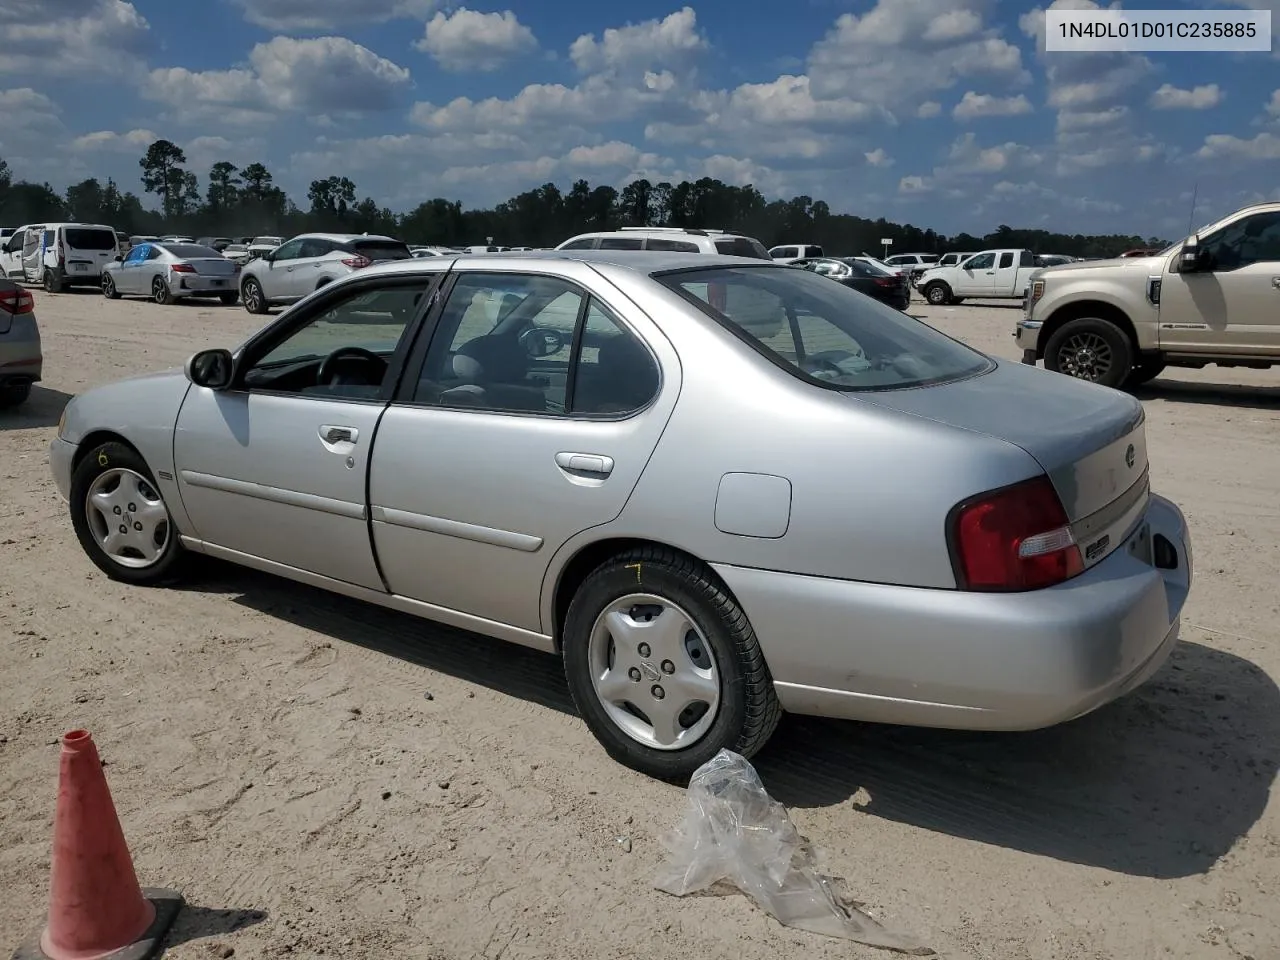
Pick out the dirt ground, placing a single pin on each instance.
(321, 778)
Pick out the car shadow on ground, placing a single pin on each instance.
(1220, 394)
(1160, 784)
(42, 409)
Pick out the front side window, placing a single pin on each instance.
(823, 331)
(138, 253)
(1250, 240)
(983, 261)
(289, 251)
(344, 350)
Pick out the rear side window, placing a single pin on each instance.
(742, 247)
(825, 332)
(381, 249)
(78, 238)
(670, 246)
(48, 238)
(191, 251)
(314, 247)
(1006, 259)
(813, 251)
(621, 243)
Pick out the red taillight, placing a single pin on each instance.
(1017, 538)
(183, 268)
(356, 262)
(15, 302)
(887, 281)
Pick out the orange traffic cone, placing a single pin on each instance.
(97, 911)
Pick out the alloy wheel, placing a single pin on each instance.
(128, 518)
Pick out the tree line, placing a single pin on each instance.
(246, 201)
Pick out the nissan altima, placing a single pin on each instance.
(718, 488)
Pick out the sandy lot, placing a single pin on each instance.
(274, 753)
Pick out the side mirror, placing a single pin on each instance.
(1189, 259)
(210, 368)
(119, 257)
(267, 255)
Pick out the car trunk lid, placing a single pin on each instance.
(1090, 440)
(213, 266)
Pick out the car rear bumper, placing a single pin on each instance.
(61, 453)
(21, 357)
(195, 285)
(982, 661)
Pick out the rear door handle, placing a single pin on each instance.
(331, 434)
(592, 463)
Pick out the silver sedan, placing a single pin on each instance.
(169, 272)
(719, 488)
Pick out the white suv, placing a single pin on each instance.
(669, 240)
(793, 252)
(296, 268)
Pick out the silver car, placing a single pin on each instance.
(169, 272)
(718, 487)
(21, 357)
(292, 270)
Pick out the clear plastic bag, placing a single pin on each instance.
(733, 832)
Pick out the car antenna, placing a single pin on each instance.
(1191, 218)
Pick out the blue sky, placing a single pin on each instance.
(944, 113)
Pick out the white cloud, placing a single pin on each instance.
(1273, 105)
(467, 40)
(319, 75)
(311, 15)
(973, 106)
(878, 157)
(930, 108)
(72, 37)
(967, 156)
(1169, 97)
(131, 141)
(901, 51)
(673, 41)
(915, 184)
(1219, 146)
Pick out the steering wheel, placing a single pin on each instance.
(329, 371)
(542, 341)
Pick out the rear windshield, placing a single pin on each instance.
(190, 251)
(864, 268)
(823, 331)
(382, 249)
(742, 247)
(78, 238)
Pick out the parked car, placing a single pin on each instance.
(790, 254)
(308, 262)
(217, 243)
(913, 264)
(21, 359)
(59, 255)
(1052, 259)
(434, 252)
(237, 253)
(1213, 298)
(538, 447)
(260, 245)
(142, 238)
(169, 272)
(669, 240)
(990, 275)
(952, 259)
(880, 284)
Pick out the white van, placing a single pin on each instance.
(59, 255)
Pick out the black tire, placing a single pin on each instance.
(937, 293)
(109, 288)
(101, 459)
(748, 711)
(1144, 371)
(228, 299)
(161, 293)
(252, 295)
(54, 283)
(14, 394)
(1090, 349)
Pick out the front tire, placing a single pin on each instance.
(664, 666)
(251, 294)
(937, 293)
(109, 288)
(1090, 349)
(121, 520)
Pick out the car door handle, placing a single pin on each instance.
(330, 434)
(592, 463)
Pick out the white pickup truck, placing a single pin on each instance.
(989, 275)
(1211, 298)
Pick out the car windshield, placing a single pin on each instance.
(79, 238)
(190, 251)
(381, 249)
(235, 248)
(823, 331)
(742, 247)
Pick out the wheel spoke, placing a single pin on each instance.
(689, 685)
(664, 717)
(616, 687)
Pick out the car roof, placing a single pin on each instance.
(645, 262)
(343, 237)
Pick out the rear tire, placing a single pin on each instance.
(937, 293)
(161, 293)
(717, 656)
(1090, 349)
(54, 283)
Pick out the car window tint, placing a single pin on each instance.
(742, 247)
(368, 320)
(621, 243)
(155, 252)
(1006, 259)
(1027, 259)
(379, 250)
(314, 247)
(289, 251)
(80, 238)
(825, 331)
(191, 251)
(983, 261)
(584, 244)
(670, 246)
(503, 342)
(1249, 240)
(615, 372)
